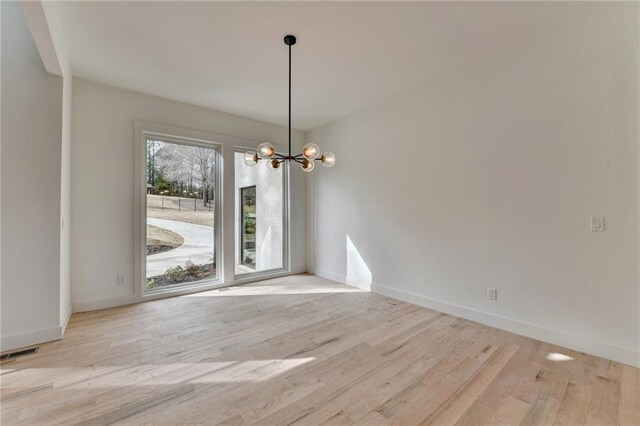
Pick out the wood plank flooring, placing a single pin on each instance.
(304, 350)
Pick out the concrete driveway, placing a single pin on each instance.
(197, 247)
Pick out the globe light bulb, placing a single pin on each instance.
(307, 165)
(328, 159)
(250, 158)
(273, 164)
(266, 150)
(310, 151)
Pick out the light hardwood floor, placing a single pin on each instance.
(305, 350)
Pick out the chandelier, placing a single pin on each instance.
(310, 152)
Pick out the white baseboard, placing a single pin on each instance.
(357, 283)
(340, 278)
(113, 302)
(556, 337)
(65, 320)
(29, 338)
(20, 340)
(328, 275)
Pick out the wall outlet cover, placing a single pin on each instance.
(597, 224)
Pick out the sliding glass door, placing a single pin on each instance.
(181, 207)
(260, 231)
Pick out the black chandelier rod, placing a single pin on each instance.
(289, 40)
(266, 151)
(289, 101)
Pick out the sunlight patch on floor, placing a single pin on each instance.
(97, 377)
(557, 357)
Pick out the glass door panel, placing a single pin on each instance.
(181, 205)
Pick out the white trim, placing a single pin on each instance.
(624, 355)
(65, 320)
(94, 305)
(30, 338)
(111, 302)
(188, 137)
(582, 344)
(328, 275)
(41, 32)
(343, 279)
(354, 282)
(556, 337)
(340, 278)
(267, 276)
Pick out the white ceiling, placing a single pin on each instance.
(229, 56)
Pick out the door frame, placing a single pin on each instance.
(225, 220)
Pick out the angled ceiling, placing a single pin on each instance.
(229, 56)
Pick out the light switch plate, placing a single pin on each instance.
(597, 224)
(492, 294)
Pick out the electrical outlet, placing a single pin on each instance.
(120, 279)
(597, 224)
(492, 294)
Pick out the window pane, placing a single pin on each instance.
(248, 226)
(181, 192)
(259, 217)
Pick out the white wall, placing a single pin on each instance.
(56, 37)
(488, 178)
(102, 183)
(65, 203)
(44, 25)
(31, 173)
